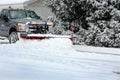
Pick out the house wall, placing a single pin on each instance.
(15, 6)
(40, 8)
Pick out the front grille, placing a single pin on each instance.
(37, 28)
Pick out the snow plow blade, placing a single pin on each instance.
(44, 36)
(33, 37)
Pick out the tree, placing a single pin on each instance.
(72, 10)
(97, 21)
(105, 24)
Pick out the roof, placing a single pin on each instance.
(6, 2)
(30, 1)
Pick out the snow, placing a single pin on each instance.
(50, 35)
(100, 50)
(11, 1)
(55, 59)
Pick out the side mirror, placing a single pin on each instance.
(39, 17)
(0, 16)
(5, 18)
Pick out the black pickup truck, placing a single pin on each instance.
(14, 21)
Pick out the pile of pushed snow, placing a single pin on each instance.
(38, 50)
(53, 45)
(35, 52)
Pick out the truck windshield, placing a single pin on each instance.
(32, 15)
(17, 14)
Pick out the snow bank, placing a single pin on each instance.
(100, 50)
(52, 47)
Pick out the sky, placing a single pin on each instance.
(11, 1)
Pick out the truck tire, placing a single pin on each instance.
(13, 37)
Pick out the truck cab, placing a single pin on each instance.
(24, 22)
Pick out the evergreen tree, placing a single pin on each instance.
(97, 21)
(72, 11)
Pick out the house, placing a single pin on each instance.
(39, 7)
(36, 5)
(14, 5)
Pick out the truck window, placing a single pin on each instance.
(17, 14)
(32, 15)
(5, 12)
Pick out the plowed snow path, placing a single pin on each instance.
(54, 59)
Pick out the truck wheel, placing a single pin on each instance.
(13, 37)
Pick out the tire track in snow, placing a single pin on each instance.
(71, 61)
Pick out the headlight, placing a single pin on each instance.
(21, 26)
(33, 22)
(50, 23)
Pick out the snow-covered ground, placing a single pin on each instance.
(55, 59)
(98, 50)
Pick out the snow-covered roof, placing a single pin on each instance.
(5, 2)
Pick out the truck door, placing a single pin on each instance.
(4, 26)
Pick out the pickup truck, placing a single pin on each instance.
(20, 21)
